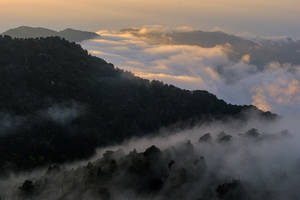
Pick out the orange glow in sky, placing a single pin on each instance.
(259, 16)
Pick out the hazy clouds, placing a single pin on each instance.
(276, 88)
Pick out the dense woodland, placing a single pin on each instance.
(58, 103)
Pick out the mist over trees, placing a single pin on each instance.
(59, 103)
(219, 166)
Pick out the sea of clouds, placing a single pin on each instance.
(276, 88)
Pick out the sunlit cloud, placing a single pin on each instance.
(281, 91)
(259, 99)
(165, 77)
(276, 88)
(246, 58)
(102, 53)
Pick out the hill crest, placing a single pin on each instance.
(70, 34)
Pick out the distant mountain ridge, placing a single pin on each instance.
(37, 32)
(261, 52)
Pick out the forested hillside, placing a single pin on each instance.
(58, 103)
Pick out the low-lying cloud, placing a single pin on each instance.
(64, 113)
(189, 166)
(275, 88)
(9, 123)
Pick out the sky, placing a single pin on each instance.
(265, 18)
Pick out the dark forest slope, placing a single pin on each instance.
(58, 103)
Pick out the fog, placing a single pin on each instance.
(9, 123)
(63, 114)
(262, 163)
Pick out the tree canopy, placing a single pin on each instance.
(58, 103)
